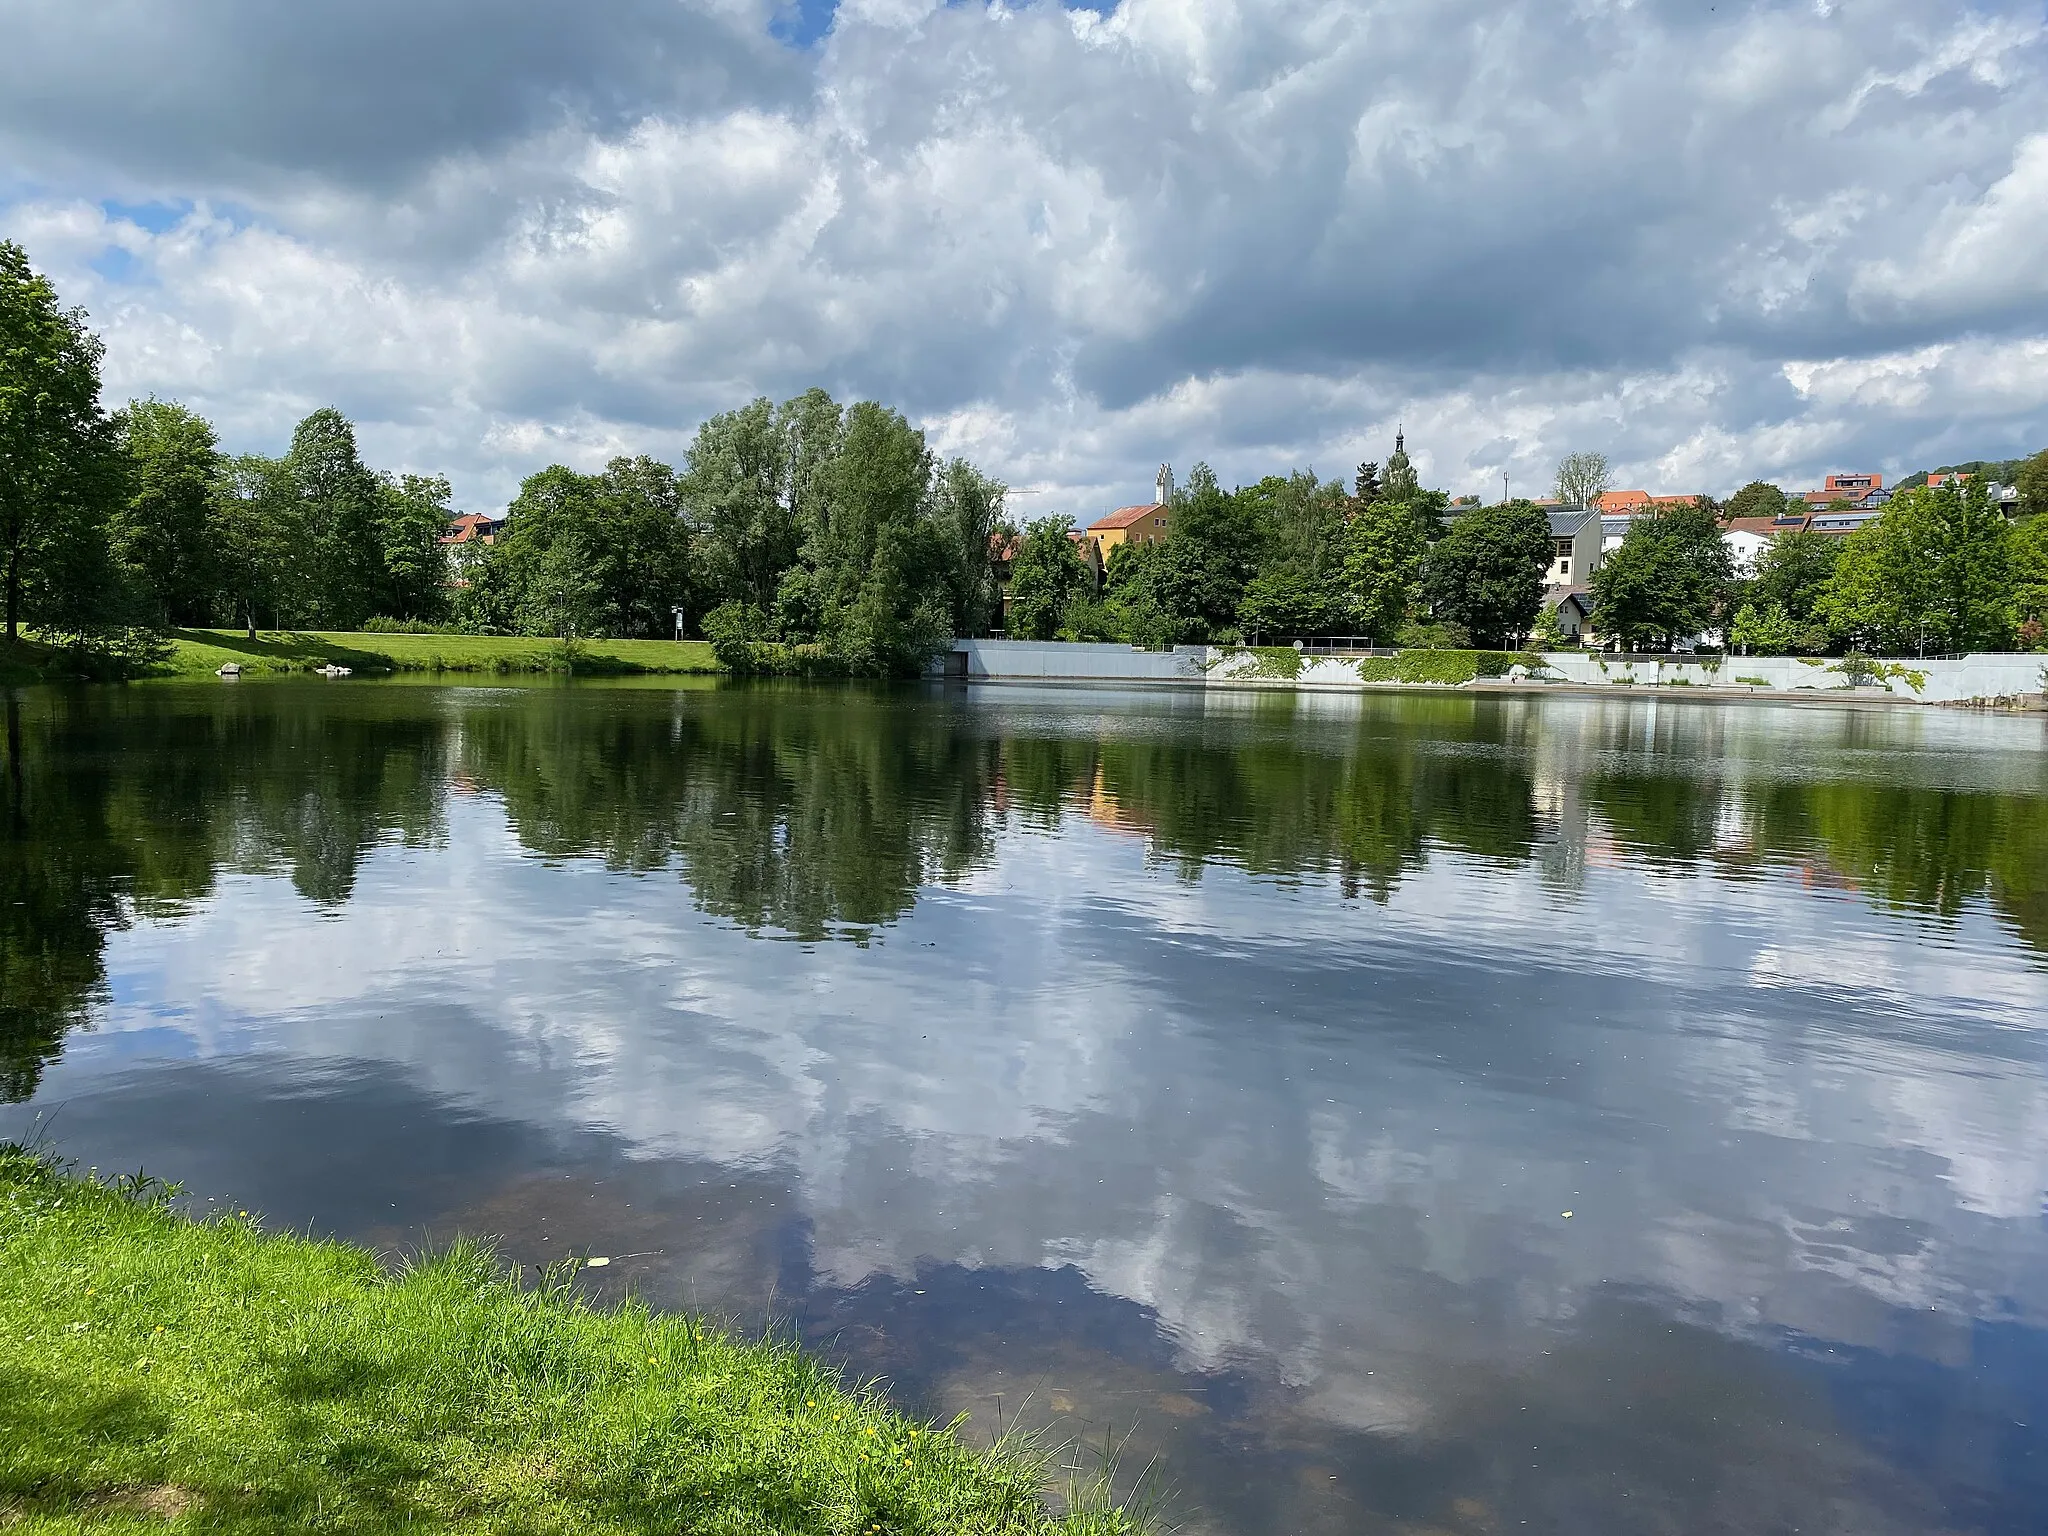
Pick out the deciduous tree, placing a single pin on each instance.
(411, 522)
(1759, 498)
(1668, 580)
(1581, 477)
(343, 512)
(1934, 572)
(1046, 574)
(59, 467)
(1486, 572)
(162, 534)
(2032, 484)
(1383, 555)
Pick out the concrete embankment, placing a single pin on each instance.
(1802, 679)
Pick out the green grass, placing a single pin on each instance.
(202, 652)
(160, 1373)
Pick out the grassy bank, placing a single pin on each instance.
(202, 652)
(158, 1372)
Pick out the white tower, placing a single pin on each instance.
(1162, 493)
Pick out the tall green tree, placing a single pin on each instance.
(1581, 477)
(1793, 570)
(968, 508)
(411, 523)
(1933, 572)
(163, 533)
(1669, 579)
(343, 512)
(1197, 576)
(2031, 481)
(1401, 481)
(1759, 498)
(1300, 588)
(257, 535)
(1486, 572)
(60, 473)
(1046, 574)
(1384, 549)
(879, 561)
(2030, 581)
(587, 555)
(737, 488)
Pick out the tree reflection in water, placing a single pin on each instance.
(815, 813)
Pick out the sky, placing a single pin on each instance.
(1712, 241)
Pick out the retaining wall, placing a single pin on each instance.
(1986, 676)
(1927, 682)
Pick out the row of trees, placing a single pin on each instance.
(812, 529)
(136, 519)
(812, 534)
(1296, 555)
(1941, 569)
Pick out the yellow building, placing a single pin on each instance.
(1128, 525)
(1135, 525)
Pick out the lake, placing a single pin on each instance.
(1371, 1113)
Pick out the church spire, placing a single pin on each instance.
(1400, 478)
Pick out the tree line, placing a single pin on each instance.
(1296, 556)
(1939, 569)
(811, 536)
(828, 534)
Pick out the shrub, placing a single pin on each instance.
(382, 625)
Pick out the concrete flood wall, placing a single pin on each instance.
(1926, 682)
(1988, 676)
(1050, 661)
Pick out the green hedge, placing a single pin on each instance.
(1448, 667)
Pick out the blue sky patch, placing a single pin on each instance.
(154, 217)
(801, 23)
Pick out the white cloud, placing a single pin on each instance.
(1073, 245)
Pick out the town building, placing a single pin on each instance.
(1575, 540)
(472, 528)
(1143, 524)
(1860, 492)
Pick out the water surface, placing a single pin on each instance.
(1212, 1072)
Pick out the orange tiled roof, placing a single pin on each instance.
(468, 527)
(1124, 517)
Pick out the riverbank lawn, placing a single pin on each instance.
(202, 652)
(160, 1373)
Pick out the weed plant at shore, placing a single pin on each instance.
(162, 1372)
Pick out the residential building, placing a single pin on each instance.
(1628, 503)
(1747, 536)
(1617, 507)
(1574, 609)
(1862, 492)
(1575, 541)
(1145, 524)
(472, 528)
(1843, 520)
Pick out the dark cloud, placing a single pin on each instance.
(366, 92)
